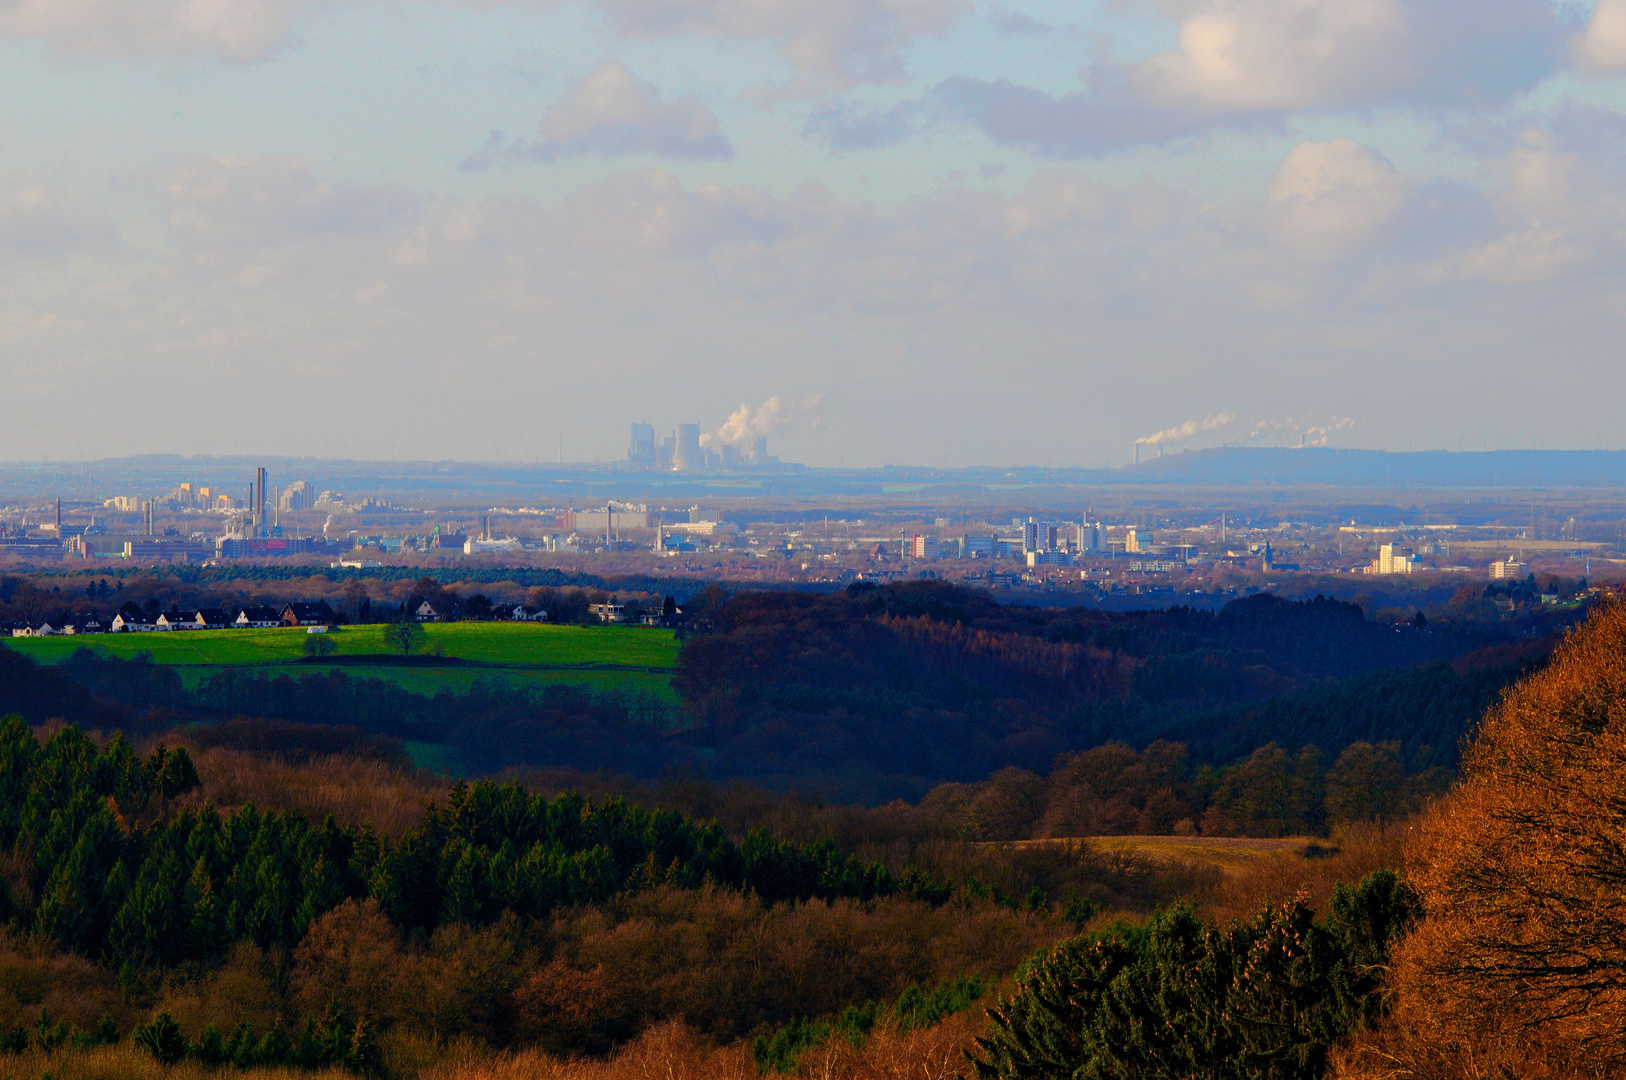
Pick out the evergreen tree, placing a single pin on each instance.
(162, 1038)
(1179, 998)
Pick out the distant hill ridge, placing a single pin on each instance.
(1244, 465)
(584, 483)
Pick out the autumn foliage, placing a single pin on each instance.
(1519, 968)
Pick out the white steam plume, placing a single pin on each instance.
(1264, 429)
(1188, 430)
(1320, 436)
(747, 424)
(1298, 433)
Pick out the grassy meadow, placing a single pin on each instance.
(526, 644)
(521, 654)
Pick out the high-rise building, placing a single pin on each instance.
(298, 495)
(1088, 537)
(1030, 536)
(1391, 560)
(642, 450)
(1138, 540)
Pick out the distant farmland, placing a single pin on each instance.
(450, 657)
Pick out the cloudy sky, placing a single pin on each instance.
(935, 231)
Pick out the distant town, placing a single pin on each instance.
(737, 525)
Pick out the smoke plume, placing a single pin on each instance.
(1296, 433)
(1320, 436)
(747, 424)
(1188, 430)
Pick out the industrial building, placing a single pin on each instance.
(687, 455)
(682, 451)
(642, 451)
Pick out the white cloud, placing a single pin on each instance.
(831, 44)
(1559, 212)
(259, 202)
(1250, 63)
(1285, 55)
(1275, 54)
(613, 113)
(34, 222)
(1602, 45)
(233, 30)
(930, 326)
(1332, 198)
(38, 223)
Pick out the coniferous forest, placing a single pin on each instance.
(884, 832)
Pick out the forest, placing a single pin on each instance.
(882, 832)
(876, 694)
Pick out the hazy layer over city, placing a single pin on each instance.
(934, 232)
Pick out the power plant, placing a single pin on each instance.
(686, 450)
(686, 456)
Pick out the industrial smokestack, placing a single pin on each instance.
(257, 501)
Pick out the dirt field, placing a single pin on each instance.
(1229, 854)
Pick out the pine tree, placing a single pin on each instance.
(162, 1038)
(208, 930)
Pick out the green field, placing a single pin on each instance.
(609, 657)
(495, 643)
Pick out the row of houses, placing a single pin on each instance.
(251, 617)
(427, 612)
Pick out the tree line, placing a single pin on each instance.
(116, 872)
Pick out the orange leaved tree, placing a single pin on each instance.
(1519, 966)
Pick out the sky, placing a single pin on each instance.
(932, 232)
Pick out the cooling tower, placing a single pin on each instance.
(687, 455)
